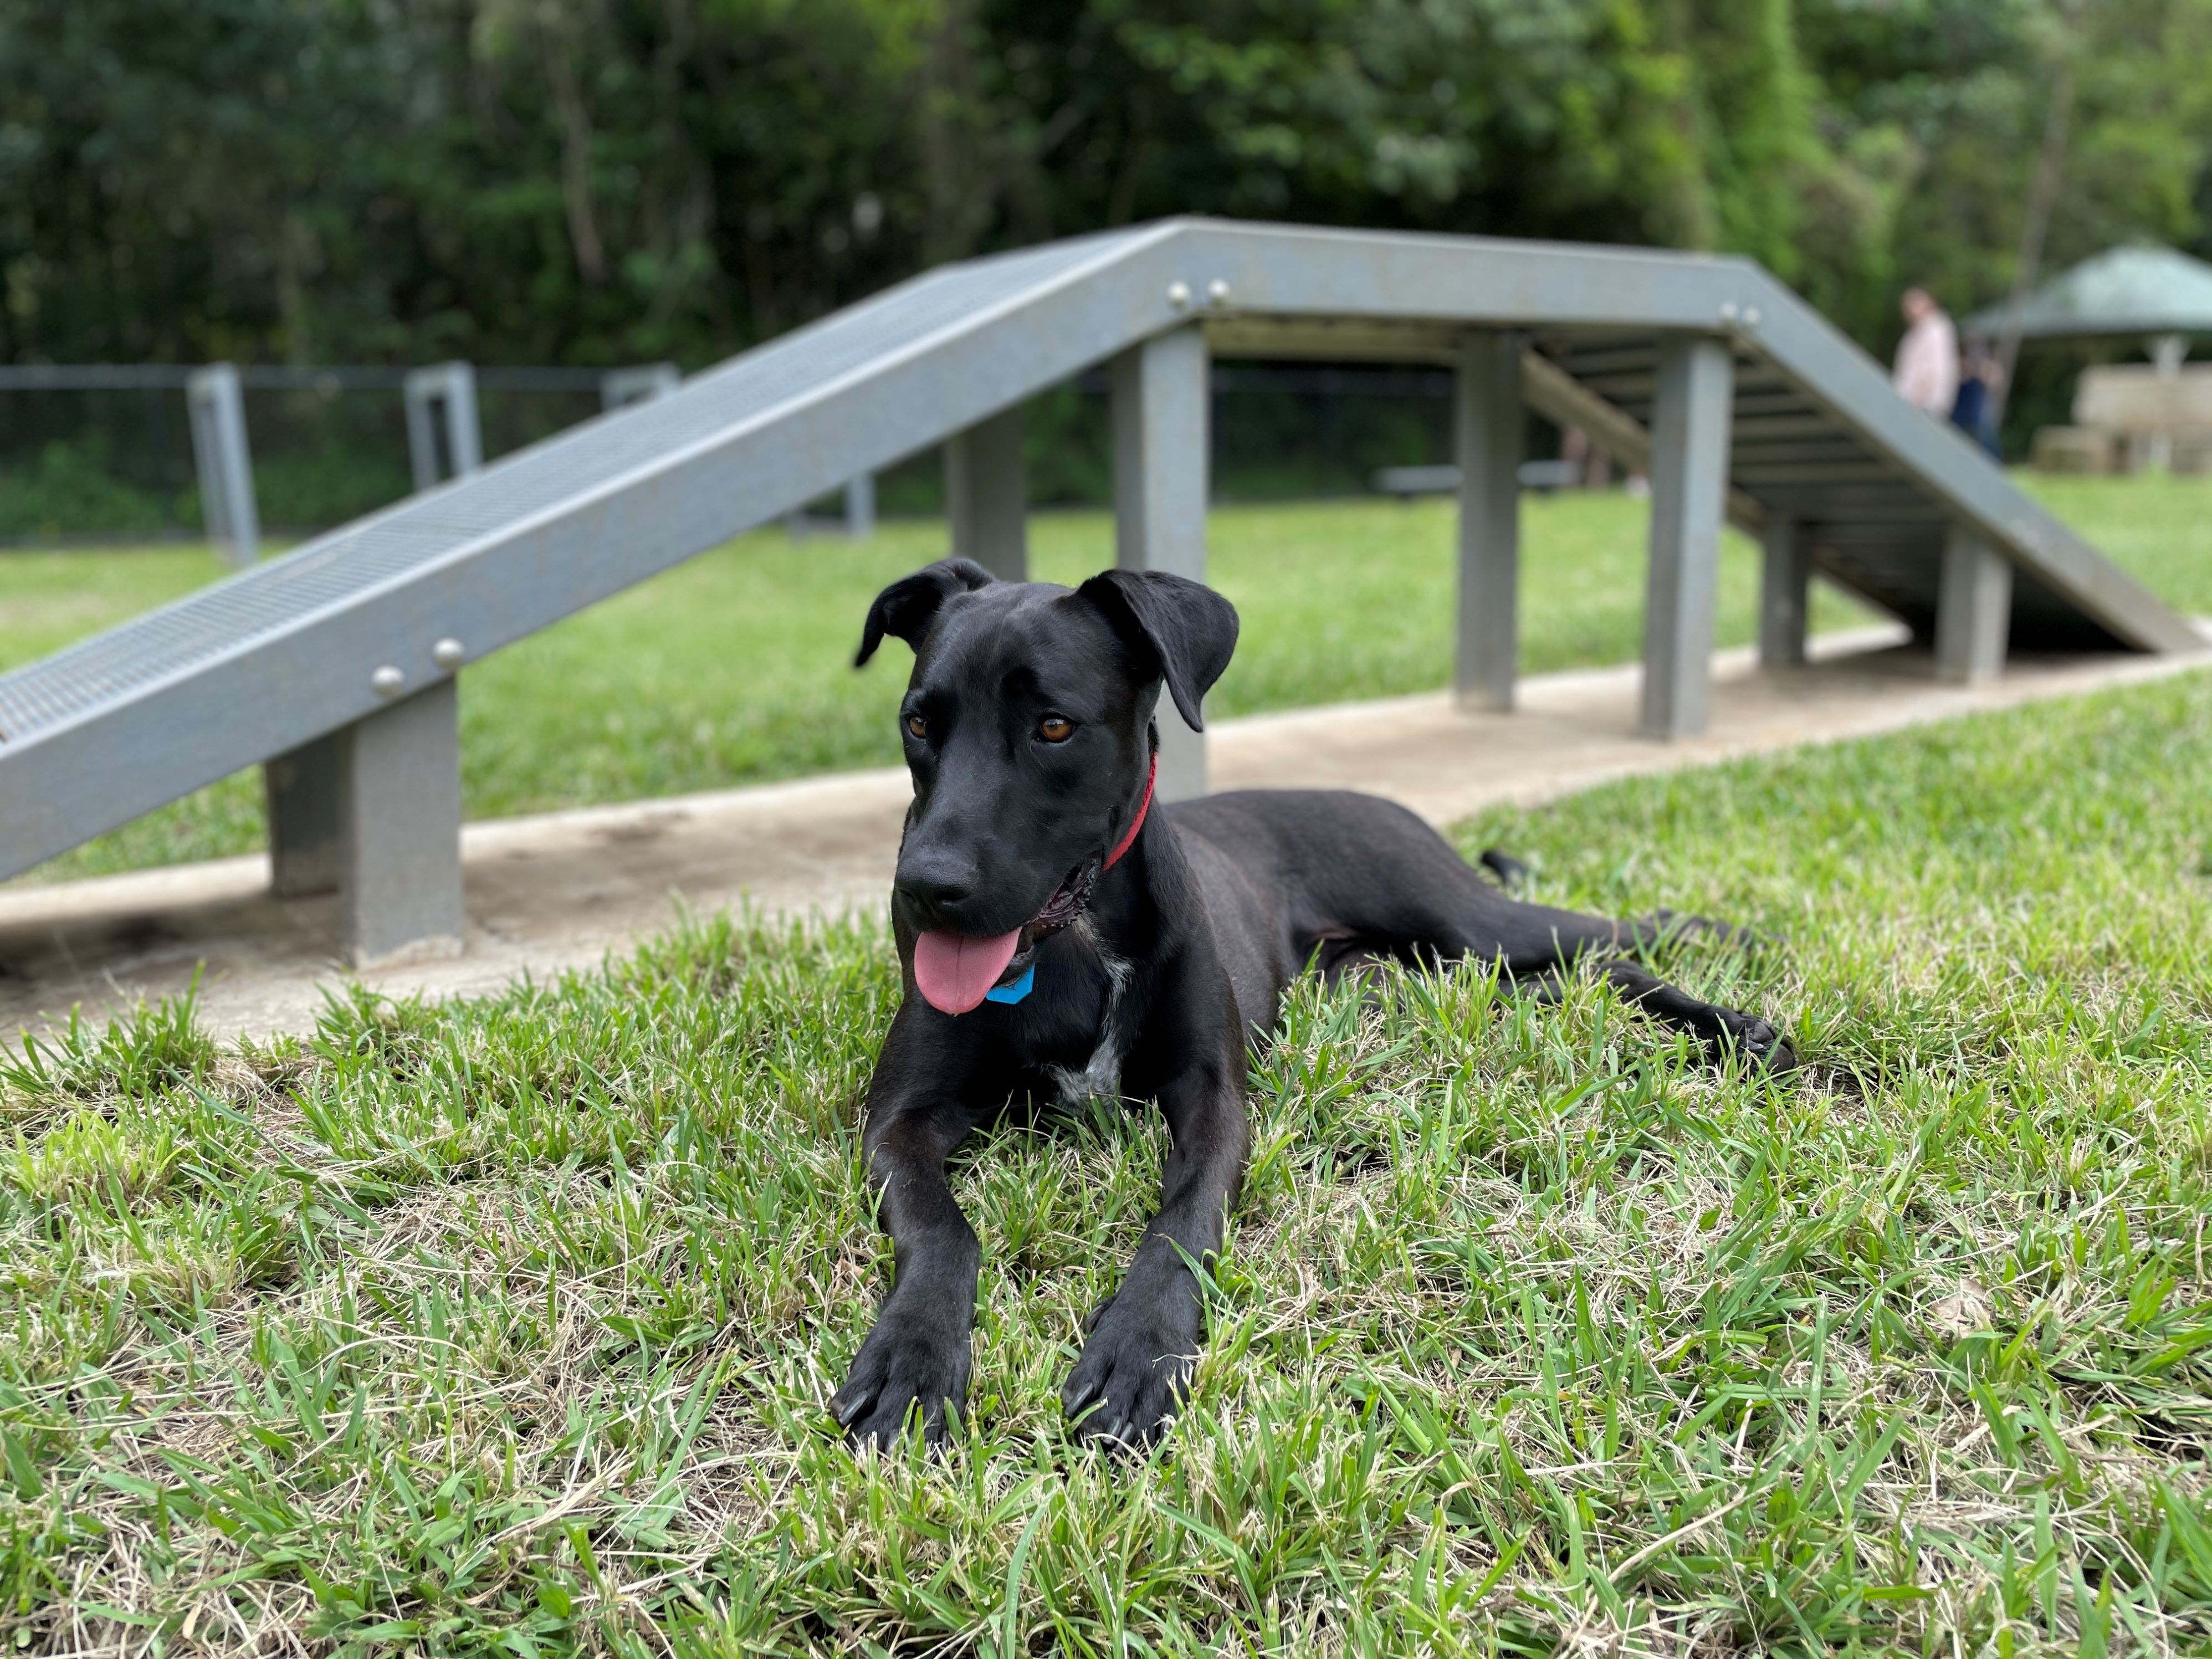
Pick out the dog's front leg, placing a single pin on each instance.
(1143, 1339)
(917, 1355)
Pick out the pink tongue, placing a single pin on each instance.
(954, 970)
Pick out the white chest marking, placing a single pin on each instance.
(1101, 1073)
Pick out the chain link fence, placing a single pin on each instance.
(105, 455)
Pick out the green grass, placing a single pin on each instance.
(2156, 527)
(734, 668)
(505, 1326)
(47, 600)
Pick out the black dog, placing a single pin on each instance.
(1062, 936)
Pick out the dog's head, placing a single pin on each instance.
(1028, 730)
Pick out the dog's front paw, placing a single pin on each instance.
(1136, 1367)
(908, 1362)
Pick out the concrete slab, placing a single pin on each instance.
(559, 891)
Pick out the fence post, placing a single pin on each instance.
(1486, 432)
(1973, 609)
(1161, 437)
(415, 394)
(1785, 586)
(987, 495)
(450, 389)
(1689, 495)
(399, 809)
(464, 436)
(640, 384)
(861, 507)
(216, 402)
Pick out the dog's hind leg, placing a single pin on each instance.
(1608, 946)
(1386, 880)
(1724, 1031)
(1459, 915)
(1547, 989)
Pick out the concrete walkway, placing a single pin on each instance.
(558, 892)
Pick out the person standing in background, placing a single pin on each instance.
(1926, 373)
(1974, 410)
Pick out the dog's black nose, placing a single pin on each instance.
(934, 894)
(935, 888)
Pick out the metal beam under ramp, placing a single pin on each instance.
(334, 667)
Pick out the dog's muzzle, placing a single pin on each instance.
(955, 972)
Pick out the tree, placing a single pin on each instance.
(602, 180)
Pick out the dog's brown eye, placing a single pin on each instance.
(916, 727)
(1054, 729)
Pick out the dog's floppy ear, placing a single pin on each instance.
(906, 609)
(1189, 629)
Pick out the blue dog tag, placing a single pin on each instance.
(1015, 991)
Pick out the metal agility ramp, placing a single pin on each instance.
(334, 667)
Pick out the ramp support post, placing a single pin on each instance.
(1486, 432)
(215, 400)
(987, 495)
(1689, 496)
(1784, 589)
(399, 812)
(305, 846)
(1973, 609)
(443, 394)
(1162, 434)
(861, 507)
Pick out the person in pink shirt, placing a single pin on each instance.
(1926, 373)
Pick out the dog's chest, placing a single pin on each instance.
(1100, 1074)
(1079, 1030)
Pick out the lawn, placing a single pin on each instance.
(735, 668)
(507, 1326)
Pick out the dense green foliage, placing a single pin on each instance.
(607, 180)
(599, 181)
(505, 1327)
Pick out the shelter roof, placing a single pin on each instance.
(2138, 289)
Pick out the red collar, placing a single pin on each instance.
(1129, 836)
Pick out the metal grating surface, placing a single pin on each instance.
(1879, 531)
(567, 468)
